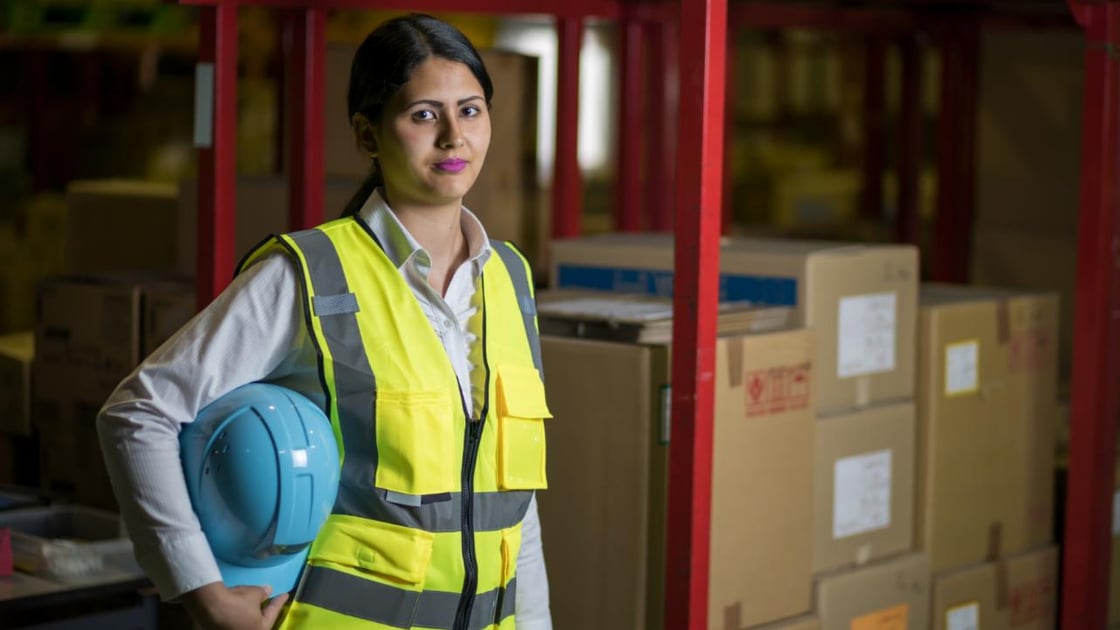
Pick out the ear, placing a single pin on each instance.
(364, 134)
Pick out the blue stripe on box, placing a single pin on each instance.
(771, 290)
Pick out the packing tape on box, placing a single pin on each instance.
(733, 616)
(863, 554)
(1003, 321)
(863, 391)
(735, 361)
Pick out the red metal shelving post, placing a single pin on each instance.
(215, 128)
(306, 80)
(662, 142)
(956, 150)
(567, 181)
(703, 32)
(911, 119)
(632, 156)
(1095, 397)
(874, 127)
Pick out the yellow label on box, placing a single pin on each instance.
(887, 619)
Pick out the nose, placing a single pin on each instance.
(452, 135)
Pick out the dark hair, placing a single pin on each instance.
(385, 62)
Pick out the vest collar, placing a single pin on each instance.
(399, 244)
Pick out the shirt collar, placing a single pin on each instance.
(399, 244)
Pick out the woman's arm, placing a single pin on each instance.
(251, 331)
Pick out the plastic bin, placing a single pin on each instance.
(15, 497)
(70, 543)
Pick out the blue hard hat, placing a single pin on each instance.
(262, 469)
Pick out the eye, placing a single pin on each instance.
(424, 114)
(470, 111)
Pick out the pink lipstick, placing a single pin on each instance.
(453, 165)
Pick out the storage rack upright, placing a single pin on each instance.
(687, 41)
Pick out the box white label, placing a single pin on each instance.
(962, 368)
(964, 617)
(866, 334)
(861, 497)
(1116, 514)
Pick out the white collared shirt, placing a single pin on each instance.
(255, 331)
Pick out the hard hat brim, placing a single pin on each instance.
(281, 577)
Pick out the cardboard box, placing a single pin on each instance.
(971, 598)
(71, 465)
(1031, 261)
(863, 506)
(605, 506)
(890, 595)
(860, 299)
(167, 307)
(16, 353)
(120, 225)
(986, 415)
(262, 209)
(1032, 589)
(94, 327)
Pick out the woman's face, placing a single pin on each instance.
(433, 135)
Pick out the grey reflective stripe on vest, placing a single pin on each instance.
(372, 601)
(493, 511)
(355, 384)
(326, 305)
(516, 268)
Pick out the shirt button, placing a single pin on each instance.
(447, 323)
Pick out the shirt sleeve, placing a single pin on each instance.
(532, 612)
(251, 331)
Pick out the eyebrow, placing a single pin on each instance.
(433, 103)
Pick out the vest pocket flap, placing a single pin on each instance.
(392, 552)
(521, 392)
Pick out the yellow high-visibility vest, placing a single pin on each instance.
(426, 529)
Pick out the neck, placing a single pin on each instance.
(438, 231)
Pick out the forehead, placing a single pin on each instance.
(440, 79)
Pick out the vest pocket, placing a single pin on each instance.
(385, 552)
(511, 547)
(521, 439)
(415, 446)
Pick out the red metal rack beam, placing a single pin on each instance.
(216, 140)
(779, 15)
(567, 182)
(306, 84)
(695, 301)
(630, 136)
(559, 8)
(1095, 397)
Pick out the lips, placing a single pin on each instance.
(453, 165)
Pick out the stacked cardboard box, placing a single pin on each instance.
(986, 406)
(91, 332)
(861, 302)
(605, 507)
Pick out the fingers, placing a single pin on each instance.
(272, 610)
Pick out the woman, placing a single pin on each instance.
(415, 334)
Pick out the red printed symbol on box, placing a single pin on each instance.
(777, 390)
(1032, 601)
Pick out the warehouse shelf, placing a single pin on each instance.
(688, 40)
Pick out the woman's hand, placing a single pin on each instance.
(216, 607)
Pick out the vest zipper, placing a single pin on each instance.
(470, 561)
